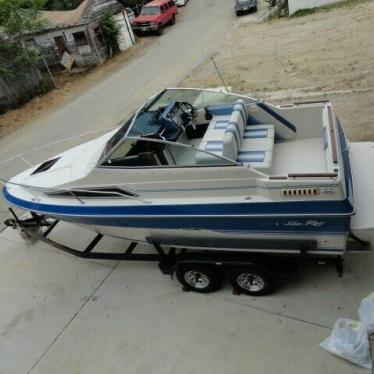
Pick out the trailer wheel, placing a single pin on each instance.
(252, 280)
(199, 278)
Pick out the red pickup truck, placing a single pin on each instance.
(155, 16)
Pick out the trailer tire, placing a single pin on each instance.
(199, 278)
(253, 280)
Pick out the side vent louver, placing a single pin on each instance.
(45, 166)
(301, 192)
(92, 193)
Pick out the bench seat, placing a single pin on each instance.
(230, 137)
(256, 149)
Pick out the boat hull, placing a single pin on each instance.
(330, 233)
(326, 222)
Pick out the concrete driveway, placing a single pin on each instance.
(60, 314)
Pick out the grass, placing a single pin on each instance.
(326, 8)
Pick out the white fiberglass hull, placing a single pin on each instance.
(327, 244)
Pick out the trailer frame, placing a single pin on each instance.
(201, 256)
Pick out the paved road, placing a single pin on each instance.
(200, 28)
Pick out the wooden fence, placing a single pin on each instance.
(21, 87)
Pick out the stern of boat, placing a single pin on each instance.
(362, 163)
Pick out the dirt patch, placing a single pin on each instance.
(68, 86)
(330, 52)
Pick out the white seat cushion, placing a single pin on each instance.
(257, 147)
(242, 109)
(256, 159)
(259, 131)
(216, 128)
(213, 139)
(234, 133)
(230, 137)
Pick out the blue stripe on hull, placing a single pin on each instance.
(316, 208)
(307, 226)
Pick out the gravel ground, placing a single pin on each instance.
(327, 55)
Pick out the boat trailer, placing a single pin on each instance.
(198, 267)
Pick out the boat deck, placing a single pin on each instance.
(299, 156)
(293, 156)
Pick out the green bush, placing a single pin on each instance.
(110, 30)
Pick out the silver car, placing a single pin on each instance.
(180, 2)
(130, 14)
(245, 6)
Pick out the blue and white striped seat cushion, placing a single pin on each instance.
(222, 124)
(242, 109)
(261, 131)
(228, 136)
(215, 146)
(257, 147)
(234, 134)
(213, 137)
(256, 134)
(258, 138)
(233, 129)
(216, 129)
(212, 146)
(251, 156)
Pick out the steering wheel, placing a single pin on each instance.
(188, 109)
(189, 112)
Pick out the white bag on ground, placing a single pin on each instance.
(366, 312)
(349, 340)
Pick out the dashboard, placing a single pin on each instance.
(172, 119)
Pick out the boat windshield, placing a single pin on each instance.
(197, 98)
(147, 118)
(150, 119)
(142, 152)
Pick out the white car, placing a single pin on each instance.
(181, 2)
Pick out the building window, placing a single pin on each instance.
(80, 38)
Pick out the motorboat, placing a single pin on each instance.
(209, 166)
